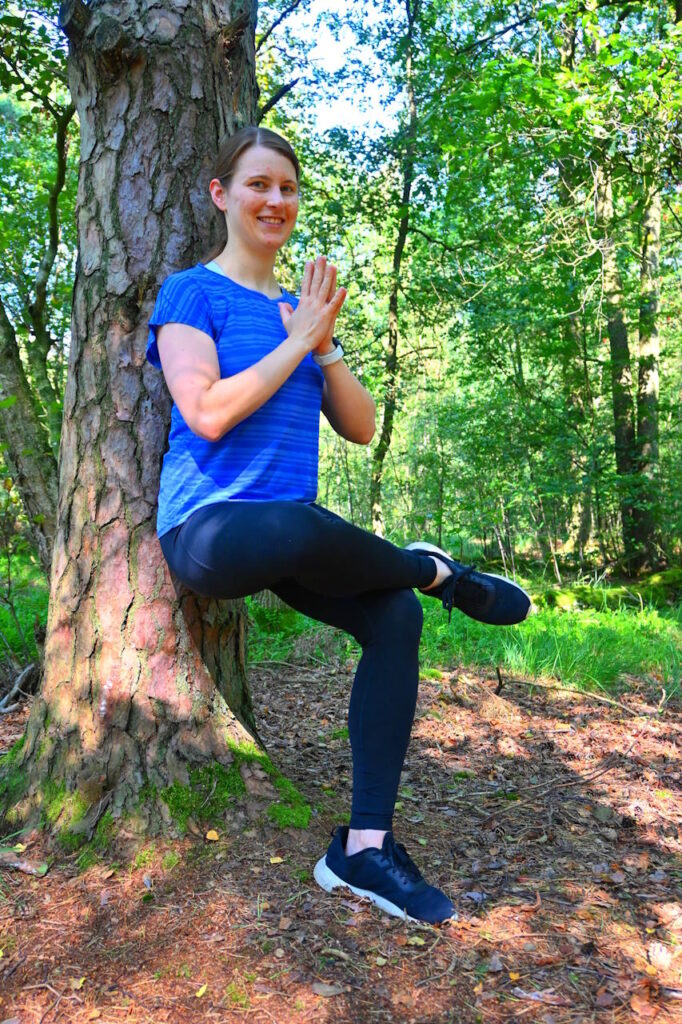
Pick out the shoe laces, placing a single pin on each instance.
(451, 584)
(403, 860)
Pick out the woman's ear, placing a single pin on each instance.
(217, 190)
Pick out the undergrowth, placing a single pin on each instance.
(586, 647)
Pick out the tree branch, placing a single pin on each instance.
(26, 84)
(275, 98)
(278, 21)
(37, 307)
(74, 18)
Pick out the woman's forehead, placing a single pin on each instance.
(261, 160)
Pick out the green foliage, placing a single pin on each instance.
(144, 858)
(12, 779)
(584, 648)
(211, 790)
(170, 860)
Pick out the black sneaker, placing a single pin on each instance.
(388, 876)
(480, 595)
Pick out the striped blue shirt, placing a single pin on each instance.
(273, 453)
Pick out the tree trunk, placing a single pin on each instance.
(646, 512)
(128, 697)
(621, 373)
(27, 452)
(384, 443)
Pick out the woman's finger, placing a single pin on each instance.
(330, 282)
(318, 275)
(307, 278)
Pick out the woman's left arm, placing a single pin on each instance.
(348, 406)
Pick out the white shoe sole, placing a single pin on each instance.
(439, 551)
(327, 880)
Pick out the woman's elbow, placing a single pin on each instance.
(368, 432)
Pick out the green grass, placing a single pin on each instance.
(29, 594)
(583, 648)
(584, 635)
(592, 647)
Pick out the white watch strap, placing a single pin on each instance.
(330, 357)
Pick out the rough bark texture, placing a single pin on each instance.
(128, 696)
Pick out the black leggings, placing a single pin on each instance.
(339, 574)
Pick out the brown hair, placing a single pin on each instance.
(229, 151)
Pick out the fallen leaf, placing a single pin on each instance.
(77, 983)
(19, 847)
(200, 991)
(415, 940)
(643, 1007)
(277, 860)
(284, 923)
(212, 836)
(320, 988)
(380, 961)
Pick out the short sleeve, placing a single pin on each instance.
(180, 301)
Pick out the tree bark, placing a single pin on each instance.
(27, 452)
(646, 512)
(142, 680)
(390, 399)
(621, 371)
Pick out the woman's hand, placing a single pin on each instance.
(312, 322)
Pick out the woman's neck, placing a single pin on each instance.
(253, 270)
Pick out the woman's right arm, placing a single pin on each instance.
(211, 405)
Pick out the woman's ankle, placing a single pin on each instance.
(442, 574)
(362, 839)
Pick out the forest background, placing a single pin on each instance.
(509, 227)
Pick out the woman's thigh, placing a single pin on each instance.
(233, 548)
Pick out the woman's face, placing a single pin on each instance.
(261, 200)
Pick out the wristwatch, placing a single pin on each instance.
(330, 357)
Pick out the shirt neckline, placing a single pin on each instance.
(213, 268)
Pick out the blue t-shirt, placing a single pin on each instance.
(273, 453)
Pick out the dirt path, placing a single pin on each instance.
(551, 820)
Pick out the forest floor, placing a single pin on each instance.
(552, 820)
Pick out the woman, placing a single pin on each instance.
(249, 366)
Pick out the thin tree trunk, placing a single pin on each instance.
(27, 454)
(621, 372)
(646, 513)
(142, 681)
(391, 377)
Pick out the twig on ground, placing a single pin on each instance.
(17, 684)
(610, 762)
(580, 693)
